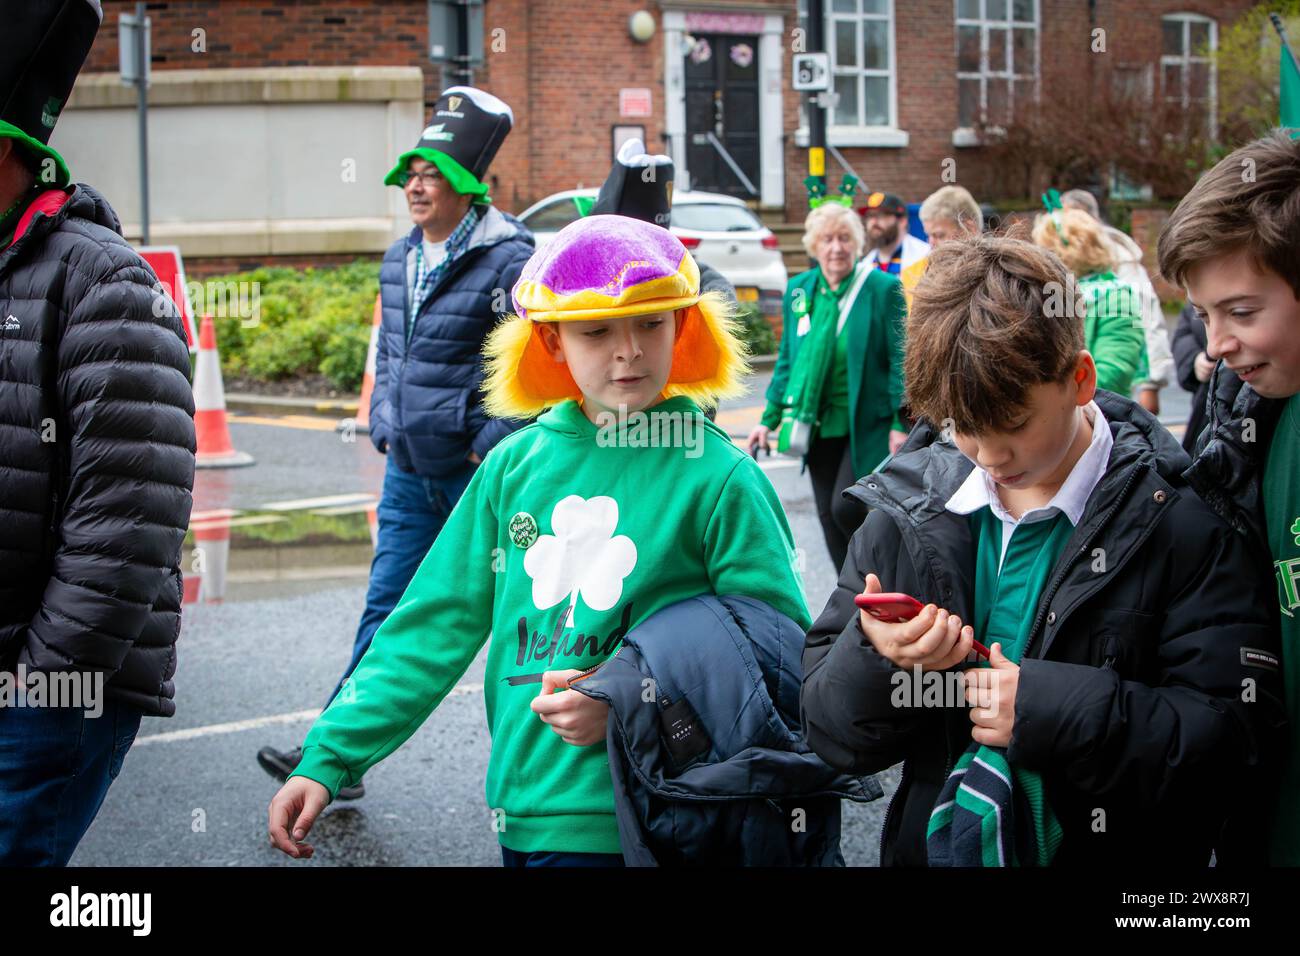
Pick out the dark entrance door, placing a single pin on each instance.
(722, 99)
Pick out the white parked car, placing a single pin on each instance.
(718, 230)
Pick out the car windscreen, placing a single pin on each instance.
(553, 217)
(714, 217)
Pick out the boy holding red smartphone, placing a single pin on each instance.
(1132, 685)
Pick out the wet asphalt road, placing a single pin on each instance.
(253, 667)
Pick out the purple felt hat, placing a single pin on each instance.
(600, 267)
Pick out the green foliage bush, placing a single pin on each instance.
(306, 322)
(317, 322)
(756, 331)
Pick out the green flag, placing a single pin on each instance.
(1290, 112)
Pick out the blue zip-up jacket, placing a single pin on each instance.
(709, 764)
(426, 410)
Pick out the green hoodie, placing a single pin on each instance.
(568, 536)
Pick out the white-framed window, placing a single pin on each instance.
(1187, 71)
(997, 60)
(860, 41)
(1133, 83)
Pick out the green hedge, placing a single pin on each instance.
(756, 331)
(317, 322)
(308, 322)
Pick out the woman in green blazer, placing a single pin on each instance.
(838, 381)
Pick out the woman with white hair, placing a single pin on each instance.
(837, 387)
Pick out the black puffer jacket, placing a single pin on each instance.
(1130, 699)
(1188, 342)
(1228, 473)
(96, 456)
(426, 411)
(1229, 465)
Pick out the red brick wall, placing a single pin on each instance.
(561, 73)
(927, 89)
(564, 62)
(258, 33)
(1145, 226)
(506, 75)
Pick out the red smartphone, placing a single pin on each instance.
(894, 608)
(890, 608)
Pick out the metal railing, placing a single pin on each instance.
(731, 163)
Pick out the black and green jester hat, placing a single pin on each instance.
(42, 46)
(464, 133)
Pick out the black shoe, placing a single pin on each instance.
(280, 763)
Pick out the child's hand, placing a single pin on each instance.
(1203, 367)
(991, 692)
(934, 639)
(297, 805)
(577, 718)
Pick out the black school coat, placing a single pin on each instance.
(1130, 699)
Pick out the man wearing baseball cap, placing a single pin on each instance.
(893, 249)
(96, 461)
(442, 288)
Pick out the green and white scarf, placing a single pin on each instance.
(804, 392)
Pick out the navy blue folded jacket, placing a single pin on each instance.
(709, 764)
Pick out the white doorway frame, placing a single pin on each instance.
(771, 114)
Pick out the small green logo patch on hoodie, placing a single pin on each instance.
(523, 530)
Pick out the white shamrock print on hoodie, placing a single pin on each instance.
(583, 558)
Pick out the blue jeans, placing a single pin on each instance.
(412, 511)
(513, 859)
(56, 765)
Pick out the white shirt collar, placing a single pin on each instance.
(979, 489)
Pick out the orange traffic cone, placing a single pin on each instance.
(362, 422)
(212, 544)
(215, 448)
(193, 581)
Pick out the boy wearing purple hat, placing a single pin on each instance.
(622, 498)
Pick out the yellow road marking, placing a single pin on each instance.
(308, 422)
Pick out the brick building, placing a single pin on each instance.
(913, 79)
